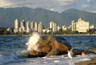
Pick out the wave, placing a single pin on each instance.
(4, 59)
(13, 58)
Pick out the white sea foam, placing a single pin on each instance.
(56, 60)
(70, 54)
(32, 42)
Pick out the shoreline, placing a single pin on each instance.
(55, 35)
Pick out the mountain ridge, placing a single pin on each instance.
(8, 15)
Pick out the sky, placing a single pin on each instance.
(53, 5)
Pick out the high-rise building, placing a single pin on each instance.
(53, 26)
(16, 26)
(73, 26)
(27, 27)
(40, 27)
(22, 26)
(35, 26)
(58, 28)
(32, 26)
(82, 25)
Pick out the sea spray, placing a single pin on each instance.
(32, 42)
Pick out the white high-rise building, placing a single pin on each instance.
(16, 26)
(40, 27)
(22, 27)
(53, 26)
(73, 26)
(58, 28)
(27, 27)
(35, 26)
(82, 26)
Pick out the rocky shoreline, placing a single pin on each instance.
(52, 46)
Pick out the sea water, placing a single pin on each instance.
(10, 46)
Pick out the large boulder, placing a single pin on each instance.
(49, 46)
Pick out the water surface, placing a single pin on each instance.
(10, 46)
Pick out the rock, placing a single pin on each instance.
(63, 40)
(79, 52)
(57, 47)
(50, 46)
(92, 50)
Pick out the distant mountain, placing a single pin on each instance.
(73, 14)
(8, 15)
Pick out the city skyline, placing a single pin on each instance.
(53, 5)
(27, 27)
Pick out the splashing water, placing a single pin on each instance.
(32, 42)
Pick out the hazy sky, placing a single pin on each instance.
(54, 5)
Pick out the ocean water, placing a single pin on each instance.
(11, 46)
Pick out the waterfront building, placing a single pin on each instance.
(40, 27)
(64, 28)
(20, 30)
(46, 30)
(73, 26)
(82, 25)
(32, 26)
(92, 27)
(27, 27)
(53, 26)
(58, 28)
(16, 26)
(9, 30)
(22, 26)
(35, 26)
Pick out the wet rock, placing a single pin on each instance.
(79, 52)
(50, 46)
(92, 50)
